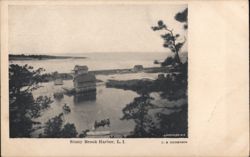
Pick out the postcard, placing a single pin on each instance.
(124, 78)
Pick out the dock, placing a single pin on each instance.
(70, 76)
(126, 71)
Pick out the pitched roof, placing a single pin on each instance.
(79, 67)
(138, 66)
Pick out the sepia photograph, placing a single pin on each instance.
(124, 78)
(121, 73)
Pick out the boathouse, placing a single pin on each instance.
(138, 68)
(80, 69)
(83, 81)
(58, 81)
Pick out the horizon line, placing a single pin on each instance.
(50, 53)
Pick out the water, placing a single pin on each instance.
(97, 61)
(83, 114)
(106, 102)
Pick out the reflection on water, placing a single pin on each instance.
(122, 107)
(85, 110)
(81, 97)
(126, 110)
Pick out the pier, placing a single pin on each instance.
(130, 70)
(70, 76)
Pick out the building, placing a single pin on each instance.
(84, 81)
(58, 81)
(80, 69)
(138, 68)
(161, 77)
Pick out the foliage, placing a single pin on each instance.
(138, 111)
(69, 131)
(182, 17)
(158, 123)
(173, 123)
(160, 120)
(168, 61)
(171, 40)
(54, 128)
(23, 107)
(153, 120)
(173, 86)
(83, 134)
(23, 76)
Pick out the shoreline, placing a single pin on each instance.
(131, 70)
(13, 57)
(69, 76)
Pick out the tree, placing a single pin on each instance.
(174, 123)
(54, 128)
(182, 17)
(69, 130)
(168, 61)
(138, 111)
(170, 39)
(23, 108)
(157, 123)
(83, 134)
(153, 120)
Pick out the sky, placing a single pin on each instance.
(90, 28)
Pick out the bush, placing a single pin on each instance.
(23, 107)
(54, 129)
(168, 61)
(69, 131)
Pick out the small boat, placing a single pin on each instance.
(58, 82)
(156, 62)
(102, 123)
(58, 95)
(98, 133)
(66, 108)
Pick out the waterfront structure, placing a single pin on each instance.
(161, 77)
(58, 95)
(58, 81)
(83, 81)
(80, 69)
(138, 68)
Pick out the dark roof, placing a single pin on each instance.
(138, 66)
(78, 67)
(85, 78)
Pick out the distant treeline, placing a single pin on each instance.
(39, 57)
